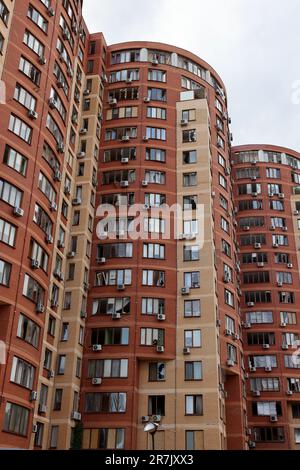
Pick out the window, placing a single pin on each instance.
(192, 308)
(152, 336)
(189, 135)
(58, 104)
(10, 194)
(268, 434)
(54, 437)
(112, 177)
(231, 353)
(224, 225)
(156, 133)
(273, 173)
(42, 219)
(152, 277)
(153, 251)
(111, 305)
(38, 437)
(191, 253)
(261, 338)
(28, 331)
(1, 43)
(20, 128)
(7, 233)
(264, 384)
(193, 370)
(105, 402)
(288, 317)
(190, 202)
(290, 362)
(157, 75)
(4, 12)
(154, 154)
(192, 280)
(24, 97)
(156, 177)
(15, 160)
(5, 271)
(286, 297)
(22, 373)
(113, 277)
(46, 187)
(250, 204)
(189, 179)
(61, 79)
(194, 440)
(157, 371)
(104, 438)
(115, 155)
(192, 338)
(61, 364)
(16, 419)
(37, 18)
(30, 71)
(157, 94)
(54, 128)
(155, 199)
(266, 408)
(256, 277)
(33, 290)
(259, 317)
(37, 253)
(120, 132)
(189, 156)
(58, 399)
(293, 384)
(263, 361)
(258, 296)
(156, 405)
(110, 336)
(108, 368)
(154, 225)
(156, 113)
(194, 405)
(152, 306)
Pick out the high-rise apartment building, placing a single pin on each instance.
(104, 330)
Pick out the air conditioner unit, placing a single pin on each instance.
(246, 228)
(253, 178)
(289, 265)
(144, 183)
(49, 239)
(53, 206)
(161, 317)
(268, 369)
(54, 304)
(252, 369)
(285, 346)
(160, 349)
(60, 244)
(83, 314)
(235, 336)
(101, 260)
(61, 57)
(124, 184)
(186, 351)
(96, 381)
(32, 114)
(125, 138)
(121, 287)
(230, 363)
(283, 324)
(250, 304)
(275, 245)
(281, 195)
(42, 60)
(254, 194)
(42, 408)
(50, 11)
(124, 160)
(256, 393)
(33, 395)
(128, 80)
(146, 207)
(70, 73)
(76, 416)
(86, 92)
(272, 227)
(147, 99)
(75, 28)
(52, 103)
(145, 419)
(227, 171)
(296, 212)
(266, 346)
(80, 155)
(60, 148)
(97, 347)
(51, 374)
(57, 175)
(260, 264)
(184, 122)
(289, 392)
(155, 61)
(116, 316)
(246, 376)
(67, 191)
(185, 290)
(34, 428)
(273, 418)
(227, 332)
(18, 211)
(112, 102)
(60, 83)
(145, 138)
(190, 236)
(76, 201)
(156, 418)
(257, 245)
(39, 308)
(253, 162)
(248, 431)
(35, 264)
(251, 444)
(71, 254)
(284, 229)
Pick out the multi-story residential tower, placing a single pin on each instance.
(266, 197)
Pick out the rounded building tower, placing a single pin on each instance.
(267, 203)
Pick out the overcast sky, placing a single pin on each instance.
(253, 44)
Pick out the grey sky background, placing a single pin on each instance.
(253, 44)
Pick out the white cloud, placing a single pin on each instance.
(253, 45)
